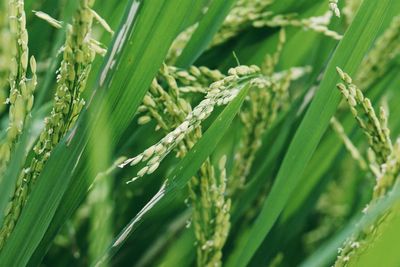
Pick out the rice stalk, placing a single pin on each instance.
(78, 55)
(315, 199)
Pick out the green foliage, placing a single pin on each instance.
(196, 133)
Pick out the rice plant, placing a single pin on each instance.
(199, 133)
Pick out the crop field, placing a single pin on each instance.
(205, 133)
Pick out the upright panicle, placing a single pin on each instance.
(22, 88)
(373, 126)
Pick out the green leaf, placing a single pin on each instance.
(349, 54)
